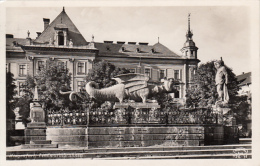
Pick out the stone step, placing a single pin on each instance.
(36, 146)
(125, 154)
(155, 148)
(40, 142)
(132, 156)
(245, 140)
(203, 156)
(75, 149)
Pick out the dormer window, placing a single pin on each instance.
(138, 50)
(61, 39)
(60, 36)
(153, 50)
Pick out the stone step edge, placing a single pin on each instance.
(196, 156)
(249, 156)
(138, 148)
(155, 153)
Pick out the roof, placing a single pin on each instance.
(244, 79)
(62, 21)
(115, 49)
(17, 47)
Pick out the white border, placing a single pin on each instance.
(253, 4)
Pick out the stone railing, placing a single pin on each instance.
(66, 117)
(132, 116)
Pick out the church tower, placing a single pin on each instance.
(189, 49)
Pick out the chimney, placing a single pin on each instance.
(46, 22)
(9, 36)
(143, 43)
(120, 42)
(106, 41)
(38, 34)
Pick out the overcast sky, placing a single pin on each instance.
(218, 31)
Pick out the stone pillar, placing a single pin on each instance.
(65, 38)
(56, 38)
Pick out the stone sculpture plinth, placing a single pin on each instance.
(35, 132)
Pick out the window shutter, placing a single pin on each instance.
(180, 74)
(26, 69)
(170, 73)
(142, 70)
(154, 74)
(85, 68)
(77, 63)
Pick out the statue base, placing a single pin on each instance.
(221, 109)
(35, 136)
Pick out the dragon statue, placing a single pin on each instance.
(130, 86)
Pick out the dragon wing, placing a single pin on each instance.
(132, 81)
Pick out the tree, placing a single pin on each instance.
(103, 72)
(203, 93)
(23, 103)
(50, 80)
(10, 93)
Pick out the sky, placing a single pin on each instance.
(219, 31)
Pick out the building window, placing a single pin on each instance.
(22, 70)
(61, 65)
(21, 86)
(132, 70)
(7, 67)
(81, 67)
(60, 38)
(176, 74)
(138, 50)
(162, 74)
(147, 72)
(123, 49)
(177, 91)
(80, 86)
(40, 65)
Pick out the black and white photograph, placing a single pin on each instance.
(142, 81)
